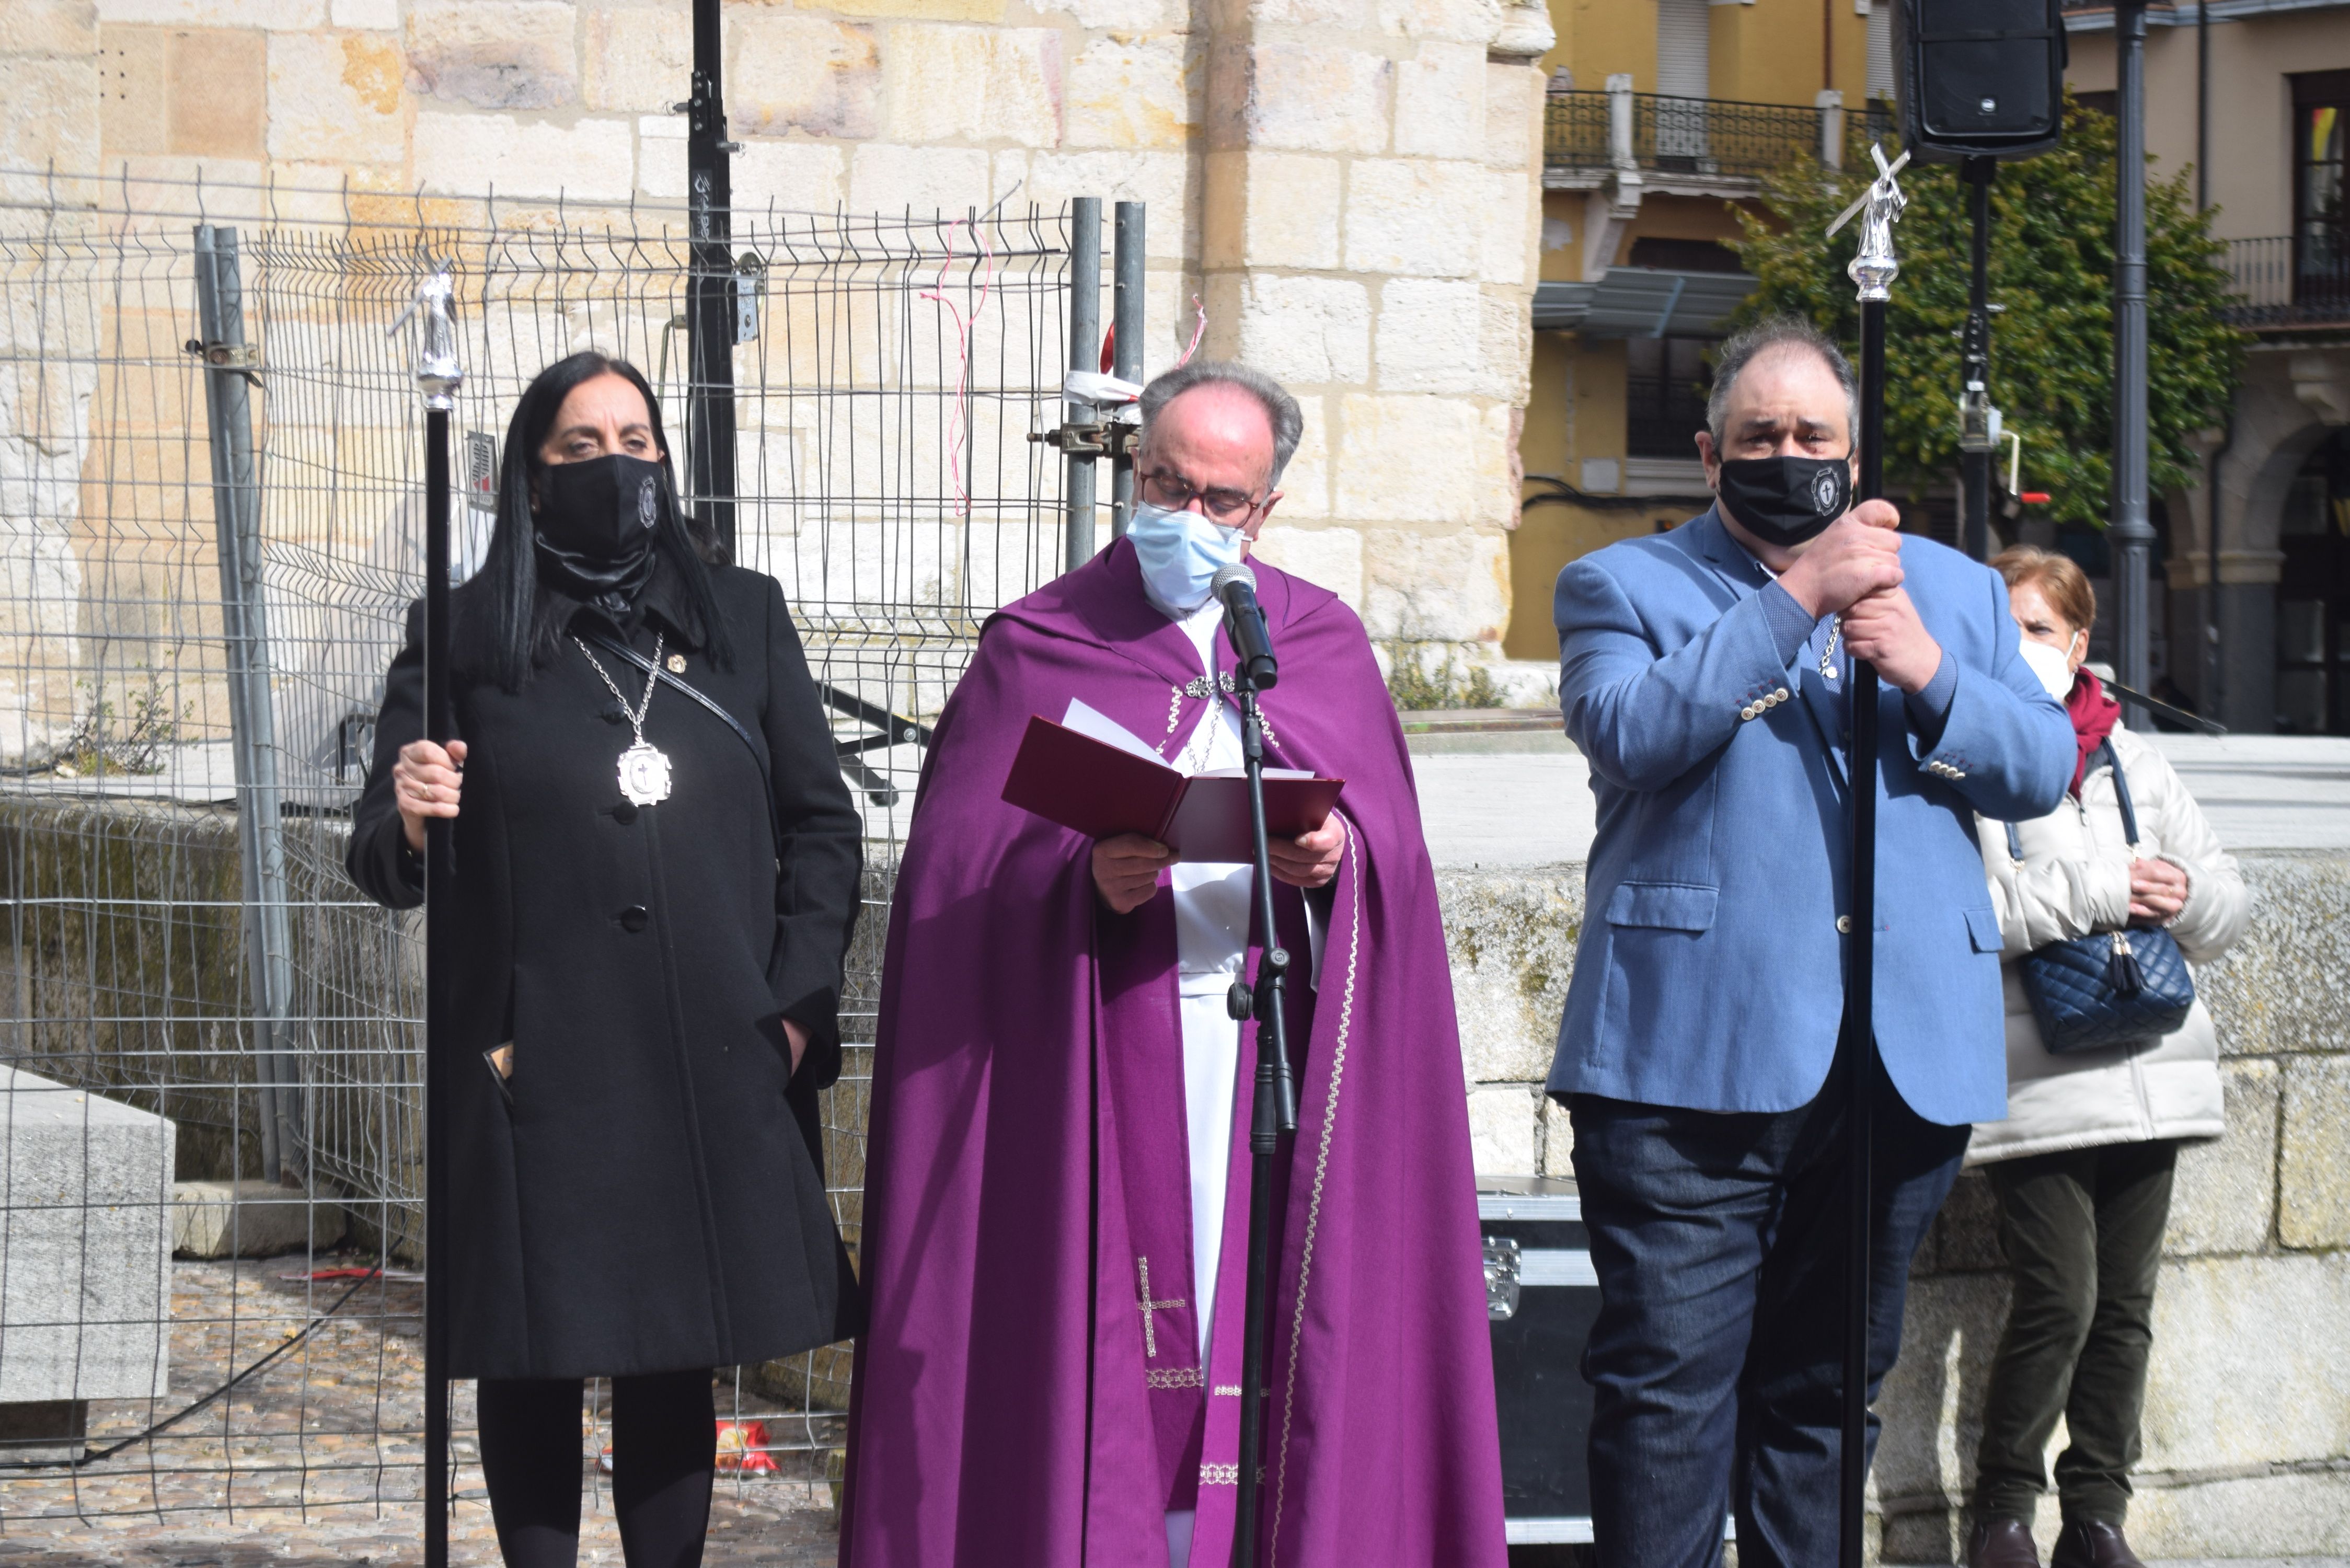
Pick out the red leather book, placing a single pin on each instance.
(1101, 790)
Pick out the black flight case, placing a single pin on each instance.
(1541, 1297)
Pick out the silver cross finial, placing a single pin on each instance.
(438, 373)
(1875, 267)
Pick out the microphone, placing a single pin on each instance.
(1244, 624)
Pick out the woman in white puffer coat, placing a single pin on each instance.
(2081, 1165)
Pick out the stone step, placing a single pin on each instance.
(249, 1220)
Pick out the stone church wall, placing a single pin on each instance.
(2247, 1426)
(1349, 188)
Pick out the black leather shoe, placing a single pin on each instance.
(2000, 1543)
(2087, 1543)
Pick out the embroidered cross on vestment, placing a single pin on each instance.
(1149, 1333)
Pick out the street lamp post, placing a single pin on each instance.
(2131, 536)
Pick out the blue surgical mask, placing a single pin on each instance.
(1178, 553)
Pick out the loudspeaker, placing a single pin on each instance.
(1978, 79)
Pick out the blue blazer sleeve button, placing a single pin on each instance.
(634, 917)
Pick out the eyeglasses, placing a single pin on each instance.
(1168, 489)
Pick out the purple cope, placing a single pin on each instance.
(1025, 1394)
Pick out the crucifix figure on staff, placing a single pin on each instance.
(1745, 687)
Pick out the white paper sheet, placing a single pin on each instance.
(1092, 722)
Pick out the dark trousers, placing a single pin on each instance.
(2084, 1236)
(664, 1447)
(1717, 1359)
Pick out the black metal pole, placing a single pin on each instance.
(1274, 1116)
(439, 951)
(1976, 453)
(2211, 700)
(2131, 536)
(709, 286)
(2202, 104)
(1859, 1043)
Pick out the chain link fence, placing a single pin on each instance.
(211, 517)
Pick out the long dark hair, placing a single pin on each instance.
(504, 622)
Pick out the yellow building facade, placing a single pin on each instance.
(1660, 117)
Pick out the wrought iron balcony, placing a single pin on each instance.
(2290, 281)
(1702, 142)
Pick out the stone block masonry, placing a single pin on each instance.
(2247, 1428)
(2248, 1425)
(85, 1256)
(1351, 187)
(249, 1220)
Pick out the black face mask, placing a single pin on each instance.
(1786, 500)
(596, 525)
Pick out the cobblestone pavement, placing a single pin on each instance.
(751, 1531)
(315, 1460)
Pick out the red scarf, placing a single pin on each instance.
(2093, 714)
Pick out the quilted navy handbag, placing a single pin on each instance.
(2111, 988)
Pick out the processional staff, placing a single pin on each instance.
(1873, 270)
(438, 377)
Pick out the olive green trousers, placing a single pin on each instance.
(2083, 1232)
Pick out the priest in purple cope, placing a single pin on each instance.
(1058, 1176)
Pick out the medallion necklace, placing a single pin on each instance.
(644, 767)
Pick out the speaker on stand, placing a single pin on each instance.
(1976, 81)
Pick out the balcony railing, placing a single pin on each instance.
(2289, 281)
(1575, 130)
(1595, 133)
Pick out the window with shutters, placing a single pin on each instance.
(1683, 28)
(1682, 82)
(1880, 49)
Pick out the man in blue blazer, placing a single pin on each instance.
(1703, 674)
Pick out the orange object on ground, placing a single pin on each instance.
(741, 1448)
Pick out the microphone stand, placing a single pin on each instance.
(1274, 1117)
(1873, 270)
(438, 376)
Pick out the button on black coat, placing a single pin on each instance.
(644, 1193)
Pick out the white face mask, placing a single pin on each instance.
(2053, 665)
(1178, 553)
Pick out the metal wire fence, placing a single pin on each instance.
(211, 514)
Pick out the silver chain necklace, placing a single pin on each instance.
(644, 767)
(1203, 739)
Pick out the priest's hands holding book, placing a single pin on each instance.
(1127, 866)
(1310, 860)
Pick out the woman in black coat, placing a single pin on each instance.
(653, 904)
